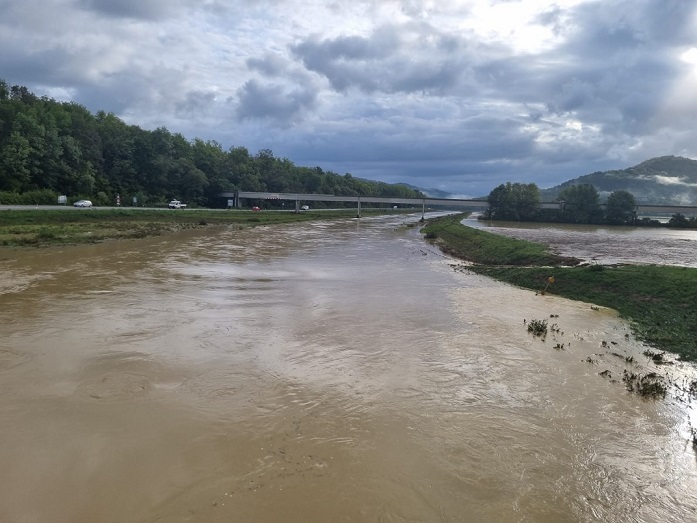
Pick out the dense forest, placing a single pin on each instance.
(50, 148)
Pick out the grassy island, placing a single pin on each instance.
(659, 301)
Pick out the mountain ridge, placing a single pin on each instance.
(663, 180)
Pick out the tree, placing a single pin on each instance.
(514, 201)
(581, 203)
(621, 207)
(62, 148)
(189, 183)
(14, 164)
(678, 220)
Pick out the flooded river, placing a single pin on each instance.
(337, 371)
(605, 244)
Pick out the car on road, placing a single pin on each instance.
(176, 204)
(82, 203)
(256, 208)
(305, 208)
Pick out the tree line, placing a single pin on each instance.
(50, 148)
(580, 204)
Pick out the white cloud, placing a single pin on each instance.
(670, 180)
(450, 94)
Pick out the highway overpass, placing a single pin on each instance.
(235, 200)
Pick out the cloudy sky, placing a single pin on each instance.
(459, 95)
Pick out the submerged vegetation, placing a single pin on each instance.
(659, 301)
(69, 226)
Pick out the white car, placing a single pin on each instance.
(82, 203)
(305, 208)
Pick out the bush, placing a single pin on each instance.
(38, 197)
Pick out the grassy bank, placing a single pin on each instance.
(659, 301)
(75, 226)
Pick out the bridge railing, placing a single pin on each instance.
(238, 196)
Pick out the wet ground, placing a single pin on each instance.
(337, 371)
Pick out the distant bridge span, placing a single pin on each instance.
(237, 197)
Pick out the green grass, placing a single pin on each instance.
(482, 247)
(659, 301)
(37, 227)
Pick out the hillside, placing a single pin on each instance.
(666, 180)
(50, 148)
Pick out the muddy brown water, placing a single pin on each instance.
(335, 371)
(603, 244)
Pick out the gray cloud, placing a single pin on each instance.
(409, 58)
(274, 102)
(271, 65)
(138, 9)
(418, 95)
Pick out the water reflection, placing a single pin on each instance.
(324, 372)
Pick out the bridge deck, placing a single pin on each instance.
(426, 202)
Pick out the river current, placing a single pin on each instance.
(328, 371)
(605, 245)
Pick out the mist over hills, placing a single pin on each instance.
(431, 193)
(665, 180)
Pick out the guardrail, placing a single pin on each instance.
(238, 196)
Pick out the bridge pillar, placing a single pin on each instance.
(359, 208)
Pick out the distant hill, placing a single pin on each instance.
(666, 180)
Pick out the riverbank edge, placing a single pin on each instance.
(47, 228)
(660, 302)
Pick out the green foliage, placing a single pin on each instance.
(621, 207)
(514, 201)
(581, 203)
(679, 221)
(482, 247)
(643, 181)
(62, 147)
(45, 233)
(36, 197)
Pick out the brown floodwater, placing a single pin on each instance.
(338, 371)
(604, 244)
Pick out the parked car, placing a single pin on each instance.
(176, 204)
(305, 208)
(82, 203)
(256, 208)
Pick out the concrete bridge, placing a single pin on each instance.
(235, 200)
